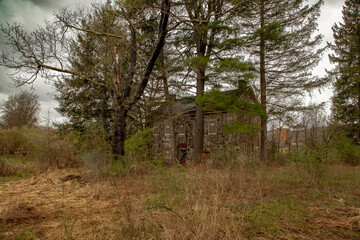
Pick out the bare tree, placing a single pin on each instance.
(19, 110)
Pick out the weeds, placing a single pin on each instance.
(68, 225)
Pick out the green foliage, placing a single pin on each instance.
(285, 31)
(311, 162)
(138, 146)
(95, 137)
(234, 65)
(239, 127)
(197, 62)
(273, 31)
(232, 102)
(344, 149)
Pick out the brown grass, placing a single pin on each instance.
(195, 202)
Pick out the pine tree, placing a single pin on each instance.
(284, 50)
(346, 100)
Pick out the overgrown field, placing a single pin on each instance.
(239, 201)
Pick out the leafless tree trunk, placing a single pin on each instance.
(170, 104)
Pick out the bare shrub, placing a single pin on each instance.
(223, 158)
(96, 161)
(5, 169)
(57, 153)
(50, 150)
(14, 141)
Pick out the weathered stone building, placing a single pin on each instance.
(214, 138)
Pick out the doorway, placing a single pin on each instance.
(182, 150)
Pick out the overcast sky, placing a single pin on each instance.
(31, 13)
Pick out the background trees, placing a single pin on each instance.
(346, 100)
(19, 110)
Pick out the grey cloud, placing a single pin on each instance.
(334, 2)
(47, 3)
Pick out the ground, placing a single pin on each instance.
(192, 202)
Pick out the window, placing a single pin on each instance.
(212, 127)
(167, 129)
(181, 129)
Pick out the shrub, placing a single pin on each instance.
(94, 137)
(14, 141)
(222, 158)
(5, 169)
(57, 153)
(345, 149)
(137, 147)
(96, 161)
(311, 162)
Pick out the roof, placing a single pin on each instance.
(187, 104)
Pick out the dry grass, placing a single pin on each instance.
(196, 202)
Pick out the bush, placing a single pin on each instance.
(93, 137)
(137, 147)
(5, 169)
(311, 162)
(57, 153)
(42, 145)
(222, 158)
(14, 141)
(345, 149)
(96, 161)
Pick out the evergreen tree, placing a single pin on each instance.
(346, 100)
(284, 50)
(207, 33)
(82, 101)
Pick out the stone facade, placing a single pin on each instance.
(214, 139)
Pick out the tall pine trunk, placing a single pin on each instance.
(199, 118)
(263, 137)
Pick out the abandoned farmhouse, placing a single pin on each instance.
(183, 122)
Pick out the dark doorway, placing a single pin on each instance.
(182, 153)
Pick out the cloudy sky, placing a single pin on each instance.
(31, 13)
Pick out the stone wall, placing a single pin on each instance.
(214, 139)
